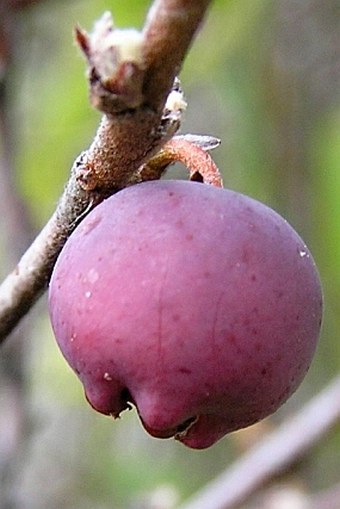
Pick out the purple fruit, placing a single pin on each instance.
(200, 306)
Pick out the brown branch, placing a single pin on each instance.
(168, 32)
(85, 189)
(14, 417)
(130, 77)
(273, 454)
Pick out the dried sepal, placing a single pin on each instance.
(173, 110)
(176, 102)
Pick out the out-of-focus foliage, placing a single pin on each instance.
(262, 77)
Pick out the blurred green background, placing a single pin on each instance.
(263, 76)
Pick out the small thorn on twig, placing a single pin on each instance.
(82, 39)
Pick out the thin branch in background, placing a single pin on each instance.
(273, 454)
(124, 141)
(16, 232)
(293, 495)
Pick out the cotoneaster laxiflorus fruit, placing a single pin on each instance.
(199, 306)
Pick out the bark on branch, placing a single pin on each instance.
(130, 77)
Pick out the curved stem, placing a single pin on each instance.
(190, 150)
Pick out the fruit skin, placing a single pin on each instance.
(190, 302)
